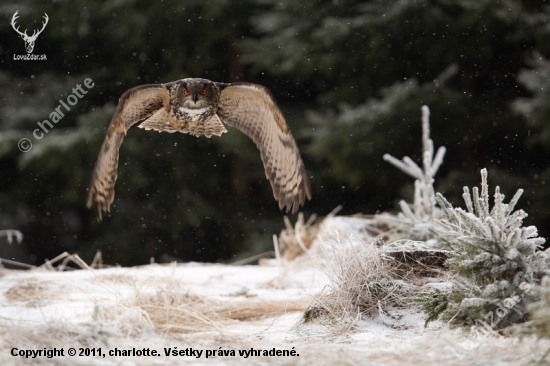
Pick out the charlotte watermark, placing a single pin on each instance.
(25, 144)
(487, 325)
(29, 40)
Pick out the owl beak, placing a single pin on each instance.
(195, 97)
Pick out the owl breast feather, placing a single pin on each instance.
(191, 111)
(193, 114)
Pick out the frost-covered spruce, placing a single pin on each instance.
(539, 312)
(494, 258)
(414, 222)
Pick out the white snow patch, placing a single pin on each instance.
(47, 309)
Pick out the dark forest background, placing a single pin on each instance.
(350, 76)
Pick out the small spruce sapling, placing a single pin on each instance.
(415, 223)
(494, 258)
(539, 312)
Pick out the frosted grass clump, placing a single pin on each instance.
(494, 256)
(415, 222)
(363, 282)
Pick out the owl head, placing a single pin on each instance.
(196, 95)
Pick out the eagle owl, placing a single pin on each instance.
(200, 107)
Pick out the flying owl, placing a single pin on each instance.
(200, 107)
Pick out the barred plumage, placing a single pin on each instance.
(198, 107)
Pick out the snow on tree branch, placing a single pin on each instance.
(10, 234)
(414, 224)
(494, 257)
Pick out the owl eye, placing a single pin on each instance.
(186, 92)
(203, 91)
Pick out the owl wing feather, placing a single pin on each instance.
(160, 121)
(134, 105)
(252, 109)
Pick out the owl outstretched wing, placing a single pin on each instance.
(134, 105)
(252, 109)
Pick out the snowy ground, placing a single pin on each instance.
(219, 308)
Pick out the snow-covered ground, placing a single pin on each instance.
(219, 309)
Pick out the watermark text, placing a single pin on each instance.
(25, 144)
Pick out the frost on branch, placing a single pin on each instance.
(415, 223)
(494, 256)
(539, 311)
(10, 234)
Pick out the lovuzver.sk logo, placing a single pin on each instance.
(29, 40)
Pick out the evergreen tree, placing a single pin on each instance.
(178, 197)
(350, 76)
(495, 259)
(368, 67)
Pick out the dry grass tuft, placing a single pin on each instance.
(33, 292)
(296, 240)
(363, 281)
(65, 258)
(59, 263)
(258, 309)
(173, 311)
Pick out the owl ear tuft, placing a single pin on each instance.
(222, 86)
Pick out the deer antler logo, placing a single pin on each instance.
(29, 41)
